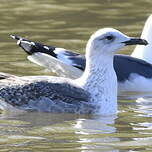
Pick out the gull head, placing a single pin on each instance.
(109, 40)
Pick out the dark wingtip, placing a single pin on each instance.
(15, 37)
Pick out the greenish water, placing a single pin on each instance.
(68, 24)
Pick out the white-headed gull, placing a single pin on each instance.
(131, 72)
(94, 92)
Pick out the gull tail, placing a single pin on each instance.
(6, 75)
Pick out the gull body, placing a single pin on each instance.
(145, 52)
(131, 72)
(94, 92)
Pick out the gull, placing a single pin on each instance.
(145, 52)
(131, 72)
(94, 92)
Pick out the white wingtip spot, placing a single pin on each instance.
(18, 42)
(12, 36)
(46, 47)
(32, 43)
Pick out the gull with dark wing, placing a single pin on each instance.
(94, 92)
(131, 72)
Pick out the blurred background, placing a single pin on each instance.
(69, 24)
(65, 23)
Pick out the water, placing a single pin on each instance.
(68, 24)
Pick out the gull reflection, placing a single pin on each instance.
(96, 133)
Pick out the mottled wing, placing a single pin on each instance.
(21, 91)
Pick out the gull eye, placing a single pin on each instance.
(109, 37)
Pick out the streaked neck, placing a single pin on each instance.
(100, 80)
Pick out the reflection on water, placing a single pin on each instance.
(68, 24)
(37, 131)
